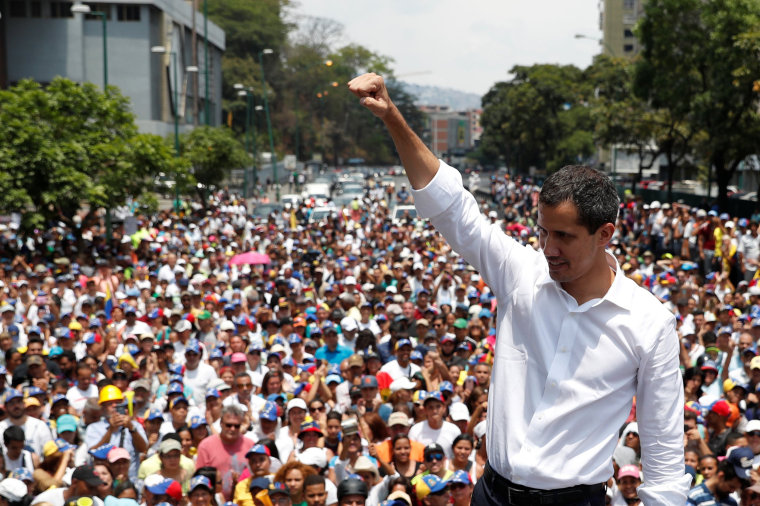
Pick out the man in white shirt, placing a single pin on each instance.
(36, 432)
(198, 375)
(401, 367)
(83, 390)
(576, 339)
(434, 429)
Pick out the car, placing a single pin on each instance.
(263, 211)
(291, 198)
(320, 214)
(402, 214)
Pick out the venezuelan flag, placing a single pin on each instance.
(109, 303)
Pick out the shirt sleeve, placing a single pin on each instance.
(659, 407)
(454, 212)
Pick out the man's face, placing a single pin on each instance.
(244, 387)
(192, 359)
(259, 464)
(315, 495)
(14, 449)
(570, 250)
(15, 407)
(84, 377)
(230, 428)
(434, 410)
(727, 487)
(403, 354)
(439, 499)
(35, 348)
(331, 339)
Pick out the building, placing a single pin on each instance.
(42, 39)
(450, 133)
(617, 19)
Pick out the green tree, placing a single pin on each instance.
(539, 118)
(699, 64)
(211, 153)
(68, 144)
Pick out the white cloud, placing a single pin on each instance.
(466, 45)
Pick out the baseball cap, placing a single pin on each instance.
(429, 484)
(310, 426)
(434, 396)
(398, 418)
(193, 346)
(166, 486)
(66, 423)
(257, 449)
(629, 470)
(117, 454)
(313, 457)
(721, 408)
(101, 452)
(403, 342)
(168, 445)
(741, 458)
(403, 383)
(237, 358)
(268, 411)
(200, 481)
(296, 403)
(57, 445)
(460, 477)
(87, 475)
(369, 382)
(197, 421)
(710, 365)
(459, 412)
(278, 488)
(460, 323)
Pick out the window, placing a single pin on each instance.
(61, 10)
(128, 12)
(628, 48)
(99, 8)
(36, 9)
(629, 4)
(17, 9)
(627, 33)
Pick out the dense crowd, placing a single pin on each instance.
(210, 358)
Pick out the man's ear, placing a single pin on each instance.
(605, 233)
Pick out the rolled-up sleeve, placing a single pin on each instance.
(659, 409)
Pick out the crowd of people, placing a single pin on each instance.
(349, 364)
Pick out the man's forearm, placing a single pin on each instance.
(420, 163)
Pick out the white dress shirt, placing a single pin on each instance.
(564, 375)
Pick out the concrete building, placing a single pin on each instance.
(617, 19)
(451, 132)
(42, 39)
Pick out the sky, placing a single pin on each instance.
(465, 45)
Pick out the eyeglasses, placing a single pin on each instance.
(232, 425)
(434, 456)
(319, 409)
(754, 433)
(246, 385)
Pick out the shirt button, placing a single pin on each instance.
(554, 384)
(563, 350)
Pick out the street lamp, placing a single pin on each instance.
(326, 63)
(175, 110)
(250, 130)
(598, 41)
(79, 8)
(206, 113)
(269, 122)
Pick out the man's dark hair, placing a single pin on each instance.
(69, 354)
(35, 339)
(728, 470)
(13, 433)
(313, 479)
(591, 191)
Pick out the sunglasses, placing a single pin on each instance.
(318, 410)
(632, 434)
(232, 425)
(755, 433)
(434, 456)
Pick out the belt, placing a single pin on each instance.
(520, 495)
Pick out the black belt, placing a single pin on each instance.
(520, 495)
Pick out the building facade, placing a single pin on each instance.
(617, 19)
(42, 39)
(451, 133)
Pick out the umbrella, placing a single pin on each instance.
(250, 258)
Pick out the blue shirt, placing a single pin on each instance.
(96, 431)
(701, 496)
(333, 357)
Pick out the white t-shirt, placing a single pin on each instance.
(396, 371)
(444, 436)
(199, 380)
(78, 398)
(36, 432)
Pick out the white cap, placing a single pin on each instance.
(403, 383)
(480, 429)
(729, 224)
(296, 402)
(701, 213)
(492, 214)
(350, 280)
(752, 426)
(655, 204)
(459, 412)
(12, 489)
(182, 326)
(313, 457)
(348, 324)
(227, 325)
(391, 289)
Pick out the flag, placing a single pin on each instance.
(109, 303)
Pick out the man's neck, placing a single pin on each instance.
(18, 421)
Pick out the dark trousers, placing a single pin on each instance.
(491, 490)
